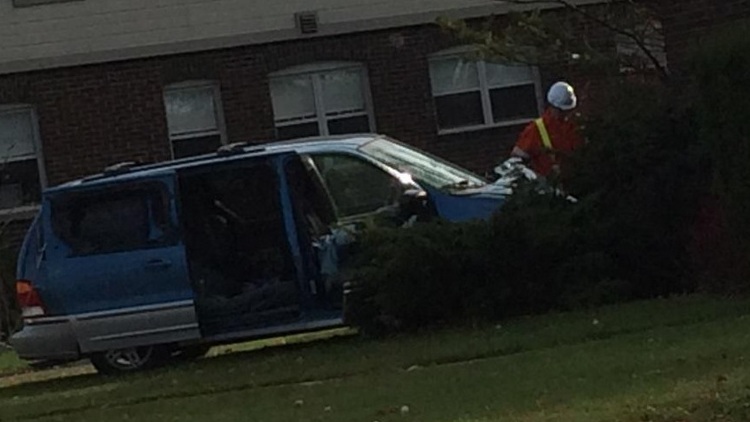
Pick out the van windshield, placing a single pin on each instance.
(421, 166)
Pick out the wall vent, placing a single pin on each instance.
(307, 22)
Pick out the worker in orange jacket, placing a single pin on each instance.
(547, 142)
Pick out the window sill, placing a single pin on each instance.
(24, 212)
(477, 128)
(189, 136)
(30, 3)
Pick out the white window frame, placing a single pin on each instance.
(315, 71)
(484, 90)
(30, 3)
(218, 112)
(26, 211)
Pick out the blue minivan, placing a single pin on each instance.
(147, 262)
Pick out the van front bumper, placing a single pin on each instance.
(46, 339)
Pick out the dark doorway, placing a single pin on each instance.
(238, 250)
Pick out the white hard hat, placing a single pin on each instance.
(561, 95)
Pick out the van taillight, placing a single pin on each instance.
(29, 300)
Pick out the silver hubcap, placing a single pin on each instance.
(132, 358)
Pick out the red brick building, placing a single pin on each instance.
(84, 84)
(686, 22)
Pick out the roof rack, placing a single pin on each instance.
(119, 168)
(237, 148)
(128, 166)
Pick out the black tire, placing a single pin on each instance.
(134, 359)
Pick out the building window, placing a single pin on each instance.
(321, 99)
(194, 118)
(477, 94)
(21, 165)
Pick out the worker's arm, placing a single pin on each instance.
(518, 152)
(527, 143)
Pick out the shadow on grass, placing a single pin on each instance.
(226, 359)
(348, 345)
(321, 359)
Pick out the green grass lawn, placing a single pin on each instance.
(10, 363)
(668, 360)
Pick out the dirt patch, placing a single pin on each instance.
(31, 375)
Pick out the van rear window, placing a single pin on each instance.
(112, 221)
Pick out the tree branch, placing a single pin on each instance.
(631, 35)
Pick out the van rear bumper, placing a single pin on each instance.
(51, 339)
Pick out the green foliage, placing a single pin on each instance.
(567, 35)
(9, 312)
(638, 181)
(722, 75)
(537, 240)
(532, 38)
(10, 362)
(442, 272)
(643, 172)
(650, 356)
(418, 276)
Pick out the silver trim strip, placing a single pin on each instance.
(142, 333)
(281, 329)
(45, 321)
(137, 326)
(24, 212)
(134, 310)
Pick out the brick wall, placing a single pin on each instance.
(96, 115)
(12, 236)
(92, 116)
(686, 22)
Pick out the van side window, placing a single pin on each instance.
(357, 186)
(112, 221)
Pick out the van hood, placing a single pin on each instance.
(469, 204)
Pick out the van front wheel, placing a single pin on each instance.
(113, 362)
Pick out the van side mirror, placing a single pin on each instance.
(415, 202)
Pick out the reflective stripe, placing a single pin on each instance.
(546, 141)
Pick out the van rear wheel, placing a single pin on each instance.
(119, 361)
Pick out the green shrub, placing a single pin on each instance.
(419, 276)
(9, 312)
(722, 74)
(527, 259)
(643, 173)
(638, 183)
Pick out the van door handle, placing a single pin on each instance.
(158, 264)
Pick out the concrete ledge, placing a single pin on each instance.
(180, 46)
(29, 3)
(26, 212)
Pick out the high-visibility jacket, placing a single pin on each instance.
(548, 140)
